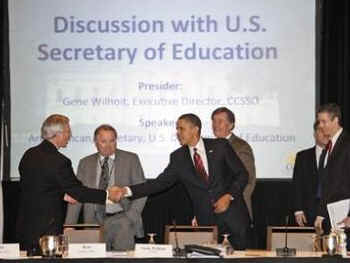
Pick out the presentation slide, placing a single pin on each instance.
(139, 65)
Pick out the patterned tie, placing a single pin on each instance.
(198, 163)
(104, 179)
(103, 184)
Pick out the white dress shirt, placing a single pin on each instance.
(110, 206)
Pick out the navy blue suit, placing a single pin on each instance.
(305, 182)
(227, 174)
(336, 178)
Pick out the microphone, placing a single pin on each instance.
(286, 251)
(177, 249)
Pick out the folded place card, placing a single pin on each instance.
(153, 251)
(87, 250)
(9, 251)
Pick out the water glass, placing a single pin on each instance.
(151, 238)
(63, 246)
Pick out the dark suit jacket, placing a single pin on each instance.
(46, 175)
(336, 182)
(305, 182)
(227, 174)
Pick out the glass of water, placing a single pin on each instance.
(151, 238)
(63, 246)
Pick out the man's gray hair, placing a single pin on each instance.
(53, 125)
(105, 127)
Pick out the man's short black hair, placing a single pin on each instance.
(192, 118)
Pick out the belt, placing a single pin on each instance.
(113, 214)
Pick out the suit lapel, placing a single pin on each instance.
(233, 141)
(314, 160)
(91, 168)
(337, 147)
(209, 152)
(315, 175)
(231, 138)
(188, 162)
(117, 163)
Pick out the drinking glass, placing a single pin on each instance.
(63, 246)
(151, 238)
(225, 242)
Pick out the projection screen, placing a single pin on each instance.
(139, 65)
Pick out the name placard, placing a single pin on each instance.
(153, 251)
(9, 250)
(87, 250)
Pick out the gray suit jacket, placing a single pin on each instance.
(245, 153)
(128, 171)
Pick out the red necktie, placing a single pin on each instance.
(198, 163)
(329, 147)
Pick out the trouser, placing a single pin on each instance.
(119, 232)
(235, 222)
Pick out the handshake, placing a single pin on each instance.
(116, 193)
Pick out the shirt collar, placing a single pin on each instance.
(336, 136)
(101, 157)
(199, 146)
(229, 135)
(319, 148)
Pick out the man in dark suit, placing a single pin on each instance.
(223, 124)
(46, 176)
(335, 175)
(213, 175)
(306, 180)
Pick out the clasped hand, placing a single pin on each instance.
(116, 193)
(222, 204)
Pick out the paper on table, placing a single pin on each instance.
(338, 211)
(200, 255)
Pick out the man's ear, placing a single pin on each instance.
(337, 119)
(196, 128)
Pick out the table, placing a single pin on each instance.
(249, 256)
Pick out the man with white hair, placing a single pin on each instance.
(46, 176)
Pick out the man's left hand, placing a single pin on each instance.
(222, 204)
